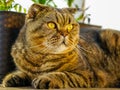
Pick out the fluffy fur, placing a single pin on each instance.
(51, 52)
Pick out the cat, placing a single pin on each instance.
(52, 52)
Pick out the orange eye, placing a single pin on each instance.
(51, 25)
(69, 27)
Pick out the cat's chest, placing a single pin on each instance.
(38, 64)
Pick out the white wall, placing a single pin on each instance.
(103, 12)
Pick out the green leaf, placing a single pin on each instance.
(24, 10)
(42, 1)
(54, 4)
(76, 6)
(3, 1)
(51, 3)
(16, 6)
(2, 4)
(9, 3)
(39, 1)
(2, 8)
(20, 8)
(69, 2)
(80, 17)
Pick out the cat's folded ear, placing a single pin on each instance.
(73, 10)
(34, 10)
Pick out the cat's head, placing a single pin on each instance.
(51, 30)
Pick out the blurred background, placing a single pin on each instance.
(102, 12)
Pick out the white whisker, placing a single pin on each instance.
(79, 52)
(35, 46)
(81, 48)
(83, 37)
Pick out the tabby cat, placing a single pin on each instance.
(51, 52)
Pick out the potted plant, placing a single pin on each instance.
(82, 16)
(10, 24)
(45, 2)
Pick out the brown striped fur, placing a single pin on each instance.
(56, 58)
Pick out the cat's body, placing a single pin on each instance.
(50, 53)
(101, 49)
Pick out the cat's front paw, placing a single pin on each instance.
(11, 81)
(45, 82)
(15, 79)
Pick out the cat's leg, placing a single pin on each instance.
(61, 80)
(16, 79)
(111, 41)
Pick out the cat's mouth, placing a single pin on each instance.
(61, 48)
(58, 46)
(64, 42)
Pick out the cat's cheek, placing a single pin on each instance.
(72, 40)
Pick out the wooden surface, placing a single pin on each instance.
(29, 88)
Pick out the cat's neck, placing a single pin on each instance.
(57, 62)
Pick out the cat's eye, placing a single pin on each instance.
(51, 25)
(69, 27)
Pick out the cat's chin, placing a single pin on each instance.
(62, 49)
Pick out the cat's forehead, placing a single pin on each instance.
(57, 12)
(43, 13)
(60, 16)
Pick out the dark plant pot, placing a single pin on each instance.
(89, 26)
(10, 24)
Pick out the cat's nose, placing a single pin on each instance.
(63, 33)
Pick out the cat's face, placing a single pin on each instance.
(50, 30)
